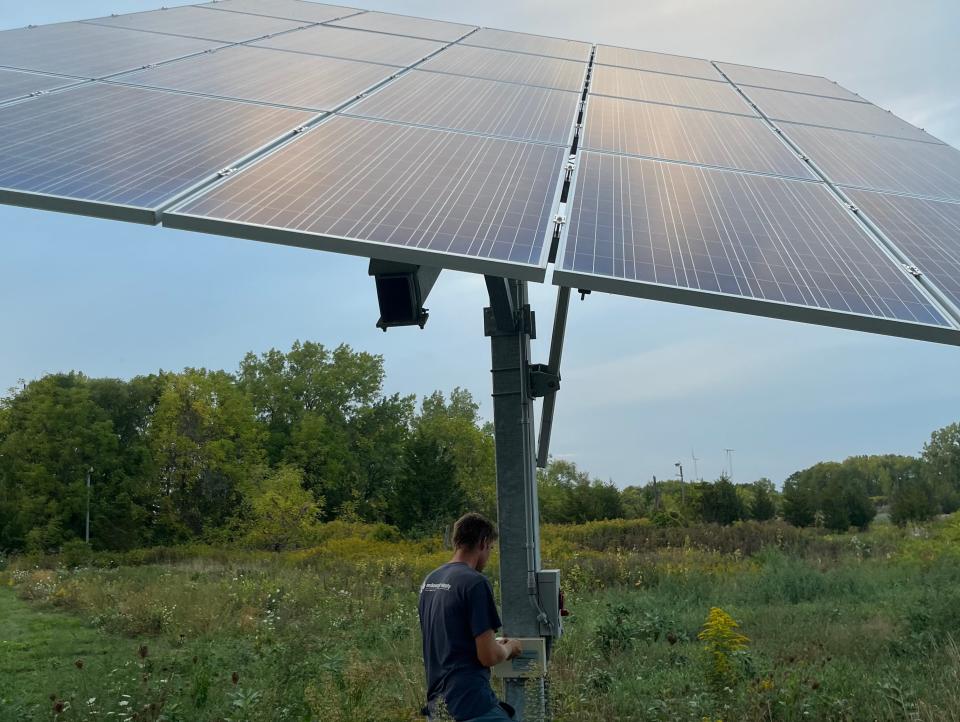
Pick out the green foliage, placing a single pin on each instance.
(841, 627)
(941, 460)
(721, 641)
(426, 494)
(720, 503)
(763, 506)
(283, 515)
(568, 495)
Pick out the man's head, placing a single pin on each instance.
(474, 534)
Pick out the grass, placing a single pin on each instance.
(840, 628)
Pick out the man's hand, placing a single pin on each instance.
(512, 647)
(491, 651)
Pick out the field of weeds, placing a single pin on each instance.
(841, 627)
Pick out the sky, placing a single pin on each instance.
(645, 384)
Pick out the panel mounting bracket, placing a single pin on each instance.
(543, 381)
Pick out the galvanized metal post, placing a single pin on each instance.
(509, 324)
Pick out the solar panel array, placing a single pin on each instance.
(441, 143)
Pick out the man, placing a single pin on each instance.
(458, 618)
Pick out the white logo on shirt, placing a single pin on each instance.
(434, 587)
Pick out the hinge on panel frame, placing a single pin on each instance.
(913, 270)
(852, 208)
(300, 129)
(558, 222)
(569, 167)
(801, 156)
(542, 381)
(584, 292)
(224, 172)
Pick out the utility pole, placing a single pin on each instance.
(89, 469)
(696, 471)
(683, 496)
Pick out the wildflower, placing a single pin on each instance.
(142, 651)
(91, 700)
(234, 677)
(671, 637)
(58, 706)
(78, 664)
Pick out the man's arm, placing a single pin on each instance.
(491, 651)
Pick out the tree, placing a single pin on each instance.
(456, 426)
(284, 515)
(763, 507)
(941, 459)
(915, 501)
(799, 501)
(309, 379)
(720, 503)
(206, 445)
(52, 432)
(426, 495)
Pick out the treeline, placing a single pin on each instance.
(260, 455)
(266, 454)
(832, 495)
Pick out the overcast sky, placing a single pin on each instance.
(645, 384)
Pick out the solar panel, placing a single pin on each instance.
(269, 76)
(696, 136)
(395, 192)
(19, 84)
(659, 62)
(879, 162)
(471, 104)
(354, 44)
(722, 239)
(829, 112)
(526, 43)
(509, 67)
(200, 22)
(671, 89)
(928, 233)
(287, 9)
(781, 80)
(78, 49)
(406, 25)
(122, 152)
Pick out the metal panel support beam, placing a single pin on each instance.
(517, 512)
(553, 366)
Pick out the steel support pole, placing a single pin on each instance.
(508, 323)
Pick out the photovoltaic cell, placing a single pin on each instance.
(396, 192)
(124, 146)
(672, 89)
(782, 80)
(509, 67)
(471, 104)
(697, 136)
(354, 44)
(663, 230)
(832, 113)
(406, 25)
(270, 76)
(200, 22)
(879, 162)
(928, 233)
(79, 49)
(19, 84)
(526, 43)
(659, 62)
(287, 9)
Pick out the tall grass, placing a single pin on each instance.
(841, 627)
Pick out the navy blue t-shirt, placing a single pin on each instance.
(456, 606)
